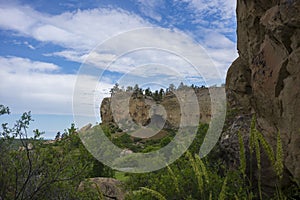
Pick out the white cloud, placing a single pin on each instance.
(150, 7)
(72, 55)
(216, 14)
(159, 46)
(31, 85)
(18, 19)
(212, 39)
(25, 66)
(82, 30)
(76, 30)
(222, 50)
(225, 9)
(160, 42)
(29, 45)
(153, 54)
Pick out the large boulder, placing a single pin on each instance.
(109, 188)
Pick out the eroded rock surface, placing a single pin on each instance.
(125, 110)
(110, 188)
(265, 79)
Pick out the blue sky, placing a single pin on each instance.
(44, 43)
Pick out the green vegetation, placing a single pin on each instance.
(157, 95)
(188, 178)
(121, 176)
(32, 168)
(193, 178)
(39, 169)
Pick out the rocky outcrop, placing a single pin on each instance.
(109, 188)
(144, 110)
(86, 128)
(265, 78)
(105, 111)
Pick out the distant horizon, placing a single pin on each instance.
(43, 122)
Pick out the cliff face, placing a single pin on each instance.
(265, 78)
(143, 110)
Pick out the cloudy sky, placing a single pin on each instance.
(46, 45)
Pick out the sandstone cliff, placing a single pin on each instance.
(143, 110)
(265, 80)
